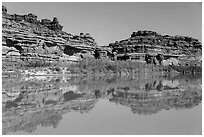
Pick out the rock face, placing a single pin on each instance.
(25, 38)
(53, 25)
(150, 42)
(32, 18)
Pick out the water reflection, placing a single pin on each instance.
(32, 101)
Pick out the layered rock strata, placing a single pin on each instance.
(24, 38)
(176, 50)
(150, 41)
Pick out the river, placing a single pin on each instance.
(111, 105)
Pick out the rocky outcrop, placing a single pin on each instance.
(149, 42)
(53, 25)
(24, 38)
(4, 10)
(32, 18)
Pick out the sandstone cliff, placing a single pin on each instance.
(24, 38)
(152, 42)
(152, 48)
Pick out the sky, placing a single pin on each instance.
(115, 21)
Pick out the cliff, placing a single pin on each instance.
(27, 41)
(152, 42)
(24, 38)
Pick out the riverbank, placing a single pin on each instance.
(91, 66)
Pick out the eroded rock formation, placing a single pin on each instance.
(24, 38)
(150, 41)
(53, 25)
(142, 43)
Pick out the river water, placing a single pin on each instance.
(136, 105)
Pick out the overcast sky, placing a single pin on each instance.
(108, 22)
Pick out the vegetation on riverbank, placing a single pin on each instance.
(92, 66)
(107, 67)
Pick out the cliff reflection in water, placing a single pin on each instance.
(30, 102)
